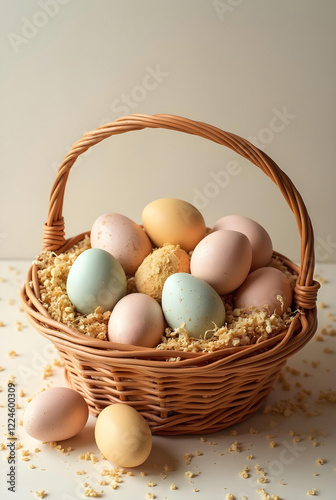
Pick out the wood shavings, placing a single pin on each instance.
(253, 431)
(52, 274)
(235, 447)
(241, 328)
(266, 496)
(245, 473)
(187, 458)
(90, 492)
(151, 484)
(47, 372)
(40, 493)
(88, 456)
(327, 350)
(189, 474)
(150, 496)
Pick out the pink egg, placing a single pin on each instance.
(136, 319)
(55, 414)
(260, 240)
(262, 288)
(122, 238)
(222, 259)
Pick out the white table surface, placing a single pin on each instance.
(290, 466)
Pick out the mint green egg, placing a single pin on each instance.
(189, 300)
(96, 279)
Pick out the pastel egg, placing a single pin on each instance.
(189, 300)
(123, 436)
(263, 288)
(122, 238)
(96, 279)
(136, 319)
(55, 414)
(260, 240)
(222, 259)
(174, 221)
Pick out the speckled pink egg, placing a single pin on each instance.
(262, 288)
(55, 414)
(123, 238)
(260, 240)
(136, 319)
(222, 259)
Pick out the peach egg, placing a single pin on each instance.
(266, 287)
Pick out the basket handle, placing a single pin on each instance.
(305, 293)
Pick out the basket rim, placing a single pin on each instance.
(77, 342)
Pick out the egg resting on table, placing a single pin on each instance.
(123, 436)
(55, 414)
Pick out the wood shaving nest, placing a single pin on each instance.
(241, 328)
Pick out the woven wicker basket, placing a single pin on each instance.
(203, 392)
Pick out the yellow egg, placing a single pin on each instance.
(174, 221)
(123, 436)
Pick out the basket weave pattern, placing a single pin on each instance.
(202, 392)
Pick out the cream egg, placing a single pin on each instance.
(136, 319)
(55, 414)
(222, 259)
(266, 287)
(122, 238)
(174, 221)
(260, 240)
(123, 436)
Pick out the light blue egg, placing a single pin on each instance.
(187, 299)
(96, 279)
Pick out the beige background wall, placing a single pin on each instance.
(262, 69)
